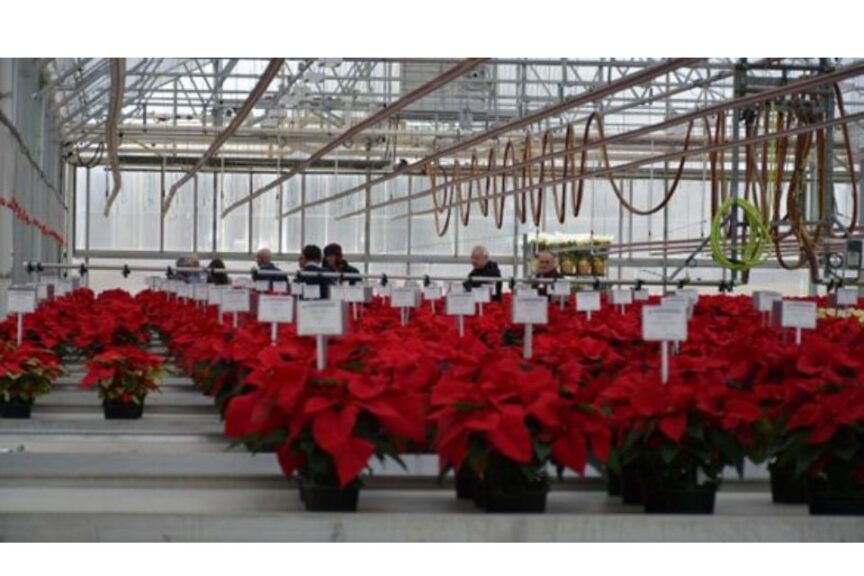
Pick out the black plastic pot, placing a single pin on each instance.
(786, 488)
(117, 410)
(516, 500)
(824, 500)
(631, 485)
(613, 483)
(466, 482)
(15, 408)
(329, 498)
(687, 500)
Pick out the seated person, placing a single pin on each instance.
(334, 262)
(264, 260)
(215, 274)
(547, 267)
(312, 257)
(483, 267)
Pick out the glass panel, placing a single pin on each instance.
(265, 215)
(234, 229)
(133, 223)
(178, 220)
(206, 196)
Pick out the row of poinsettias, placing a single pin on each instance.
(591, 394)
(109, 332)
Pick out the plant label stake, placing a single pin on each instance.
(843, 298)
(262, 285)
(561, 291)
(404, 299)
(529, 310)
(320, 318)
(640, 295)
(622, 298)
(763, 302)
(433, 294)
(795, 314)
(275, 310)
(235, 302)
(587, 301)
(460, 304)
(21, 301)
(664, 324)
(482, 295)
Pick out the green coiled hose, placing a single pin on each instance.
(752, 252)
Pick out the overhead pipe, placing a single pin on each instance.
(112, 125)
(450, 75)
(836, 76)
(257, 92)
(644, 75)
(650, 160)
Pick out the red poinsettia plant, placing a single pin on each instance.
(327, 424)
(26, 371)
(694, 426)
(505, 419)
(125, 374)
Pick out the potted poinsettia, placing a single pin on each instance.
(676, 439)
(504, 420)
(124, 376)
(327, 424)
(826, 443)
(26, 372)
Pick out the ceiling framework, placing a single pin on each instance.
(173, 110)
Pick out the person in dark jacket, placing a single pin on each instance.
(215, 274)
(264, 260)
(547, 267)
(334, 262)
(484, 268)
(312, 257)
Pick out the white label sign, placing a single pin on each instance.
(320, 317)
(561, 288)
(262, 285)
(275, 309)
(184, 291)
(640, 295)
(621, 297)
(678, 301)
(482, 294)
(455, 288)
(404, 298)
(526, 291)
(432, 292)
(460, 304)
(235, 301)
(312, 291)
(530, 310)
(337, 293)
(795, 314)
(21, 301)
(214, 294)
(280, 287)
(358, 293)
(763, 300)
(664, 323)
(588, 301)
(384, 291)
(201, 292)
(689, 293)
(847, 297)
(43, 291)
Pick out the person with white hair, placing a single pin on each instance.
(264, 260)
(483, 267)
(547, 267)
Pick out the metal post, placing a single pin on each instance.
(664, 362)
(321, 351)
(528, 348)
